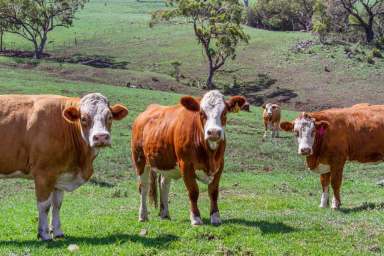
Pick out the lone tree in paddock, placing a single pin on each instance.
(217, 27)
(34, 19)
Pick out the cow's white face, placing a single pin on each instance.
(305, 129)
(213, 114)
(212, 107)
(95, 116)
(270, 108)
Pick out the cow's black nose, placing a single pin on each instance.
(101, 137)
(214, 133)
(305, 151)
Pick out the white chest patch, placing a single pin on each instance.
(321, 169)
(203, 177)
(170, 174)
(16, 174)
(69, 182)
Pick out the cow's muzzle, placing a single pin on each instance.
(101, 140)
(305, 151)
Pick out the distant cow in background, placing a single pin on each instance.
(331, 137)
(246, 107)
(53, 140)
(271, 118)
(189, 136)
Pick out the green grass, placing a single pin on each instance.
(264, 212)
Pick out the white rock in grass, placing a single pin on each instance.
(143, 232)
(73, 247)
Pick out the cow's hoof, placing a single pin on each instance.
(335, 204)
(196, 221)
(165, 217)
(44, 237)
(58, 235)
(143, 219)
(215, 219)
(323, 206)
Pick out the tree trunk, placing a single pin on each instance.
(210, 84)
(39, 49)
(369, 33)
(1, 40)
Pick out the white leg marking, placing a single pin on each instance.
(215, 218)
(335, 203)
(195, 220)
(165, 184)
(57, 199)
(143, 179)
(324, 201)
(43, 208)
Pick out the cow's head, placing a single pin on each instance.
(305, 128)
(270, 108)
(213, 110)
(95, 117)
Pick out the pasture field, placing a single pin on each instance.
(268, 201)
(118, 29)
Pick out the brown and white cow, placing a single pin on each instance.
(331, 137)
(189, 136)
(271, 118)
(53, 140)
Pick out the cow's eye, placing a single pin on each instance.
(203, 115)
(84, 120)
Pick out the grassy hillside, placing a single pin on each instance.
(268, 201)
(119, 30)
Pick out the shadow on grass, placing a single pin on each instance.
(363, 207)
(265, 226)
(161, 241)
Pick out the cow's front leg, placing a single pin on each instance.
(193, 192)
(143, 189)
(325, 179)
(336, 180)
(213, 190)
(276, 127)
(165, 184)
(44, 189)
(265, 130)
(57, 199)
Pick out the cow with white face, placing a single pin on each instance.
(186, 140)
(54, 140)
(331, 137)
(271, 118)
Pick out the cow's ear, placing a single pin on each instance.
(235, 103)
(287, 126)
(190, 103)
(322, 124)
(264, 106)
(119, 111)
(71, 114)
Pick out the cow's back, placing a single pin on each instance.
(357, 132)
(32, 128)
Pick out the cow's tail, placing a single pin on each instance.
(153, 188)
